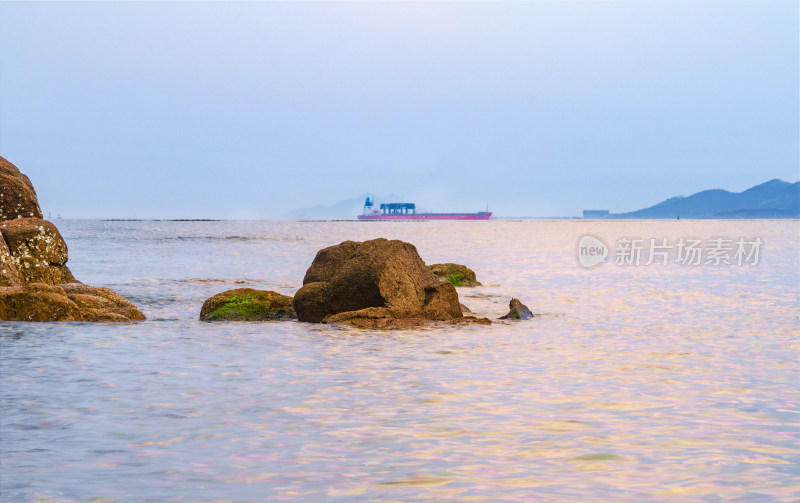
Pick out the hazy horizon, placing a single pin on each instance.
(538, 109)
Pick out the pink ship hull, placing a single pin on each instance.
(482, 215)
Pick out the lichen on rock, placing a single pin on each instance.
(38, 252)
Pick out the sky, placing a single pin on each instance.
(536, 108)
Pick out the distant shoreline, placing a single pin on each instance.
(505, 219)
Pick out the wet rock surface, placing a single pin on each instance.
(247, 304)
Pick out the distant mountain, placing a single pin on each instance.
(773, 199)
(347, 209)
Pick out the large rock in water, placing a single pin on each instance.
(377, 283)
(247, 304)
(17, 197)
(35, 282)
(457, 274)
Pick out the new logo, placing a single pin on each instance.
(592, 251)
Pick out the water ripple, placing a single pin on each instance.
(648, 384)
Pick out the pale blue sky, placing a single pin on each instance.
(226, 110)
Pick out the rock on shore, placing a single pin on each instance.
(376, 283)
(35, 282)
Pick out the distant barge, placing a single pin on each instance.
(408, 211)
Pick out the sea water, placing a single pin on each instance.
(648, 382)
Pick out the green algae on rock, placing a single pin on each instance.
(247, 304)
(455, 274)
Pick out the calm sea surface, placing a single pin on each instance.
(638, 383)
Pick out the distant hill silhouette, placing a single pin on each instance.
(773, 199)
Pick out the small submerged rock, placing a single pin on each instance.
(517, 311)
(455, 274)
(247, 304)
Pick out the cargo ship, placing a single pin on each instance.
(408, 211)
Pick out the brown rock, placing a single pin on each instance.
(37, 302)
(33, 258)
(374, 317)
(456, 274)
(38, 251)
(247, 304)
(310, 300)
(50, 275)
(328, 261)
(101, 304)
(35, 236)
(441, 302)
(70, 302)
(17, 197)
(8, 271)
(348, 279)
